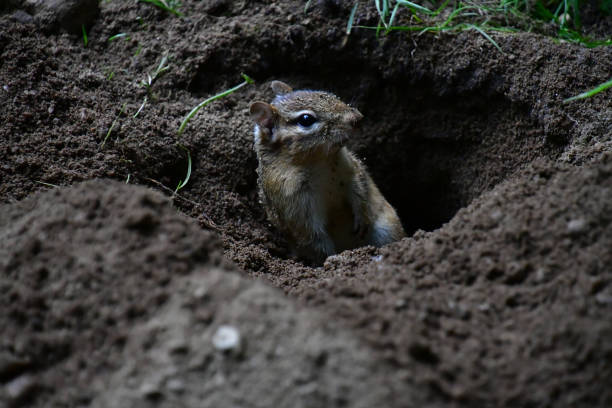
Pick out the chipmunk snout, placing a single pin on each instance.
(353, 117)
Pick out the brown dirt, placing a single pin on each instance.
(502, 295)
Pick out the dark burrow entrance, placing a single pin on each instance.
(431, 154)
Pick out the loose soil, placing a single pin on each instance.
(114, 287)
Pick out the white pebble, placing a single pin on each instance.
(18, 387)
(576, 226)
(496, 215)
(226, 338)
(200, 292)
(176, 385)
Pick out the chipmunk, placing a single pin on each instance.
(314, 190)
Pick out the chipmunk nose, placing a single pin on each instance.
(353, 116)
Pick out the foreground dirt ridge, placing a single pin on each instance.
(117, 296)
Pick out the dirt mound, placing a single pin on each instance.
(506, 305)
(108, 288)
(501, 296)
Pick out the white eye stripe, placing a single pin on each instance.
(297, 115)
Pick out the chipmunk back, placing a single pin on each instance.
(314, 190)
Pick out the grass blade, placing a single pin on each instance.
(85, 40)
(588, 94)
(306, 6)
(381, 14)
(247, 80)
(393, 13)
(144, 102)
(487, 36)
(162, 5)
(183, 183)
(349, 25)
(415, 6)
(113, 125)
(46, 184)
(116, 36)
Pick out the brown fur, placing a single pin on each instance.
(313, 188)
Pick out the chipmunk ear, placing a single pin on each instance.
(280, 88)
(264, 115)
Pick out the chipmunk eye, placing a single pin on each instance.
(306, 120)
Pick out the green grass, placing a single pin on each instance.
(484, 17)
(592, 92)
(161, 69)
(171, 6)
(247, 80)
(138, 50)
(349, 25)
(85, 39)
(306, 6)
(117, 36)
(184, 182)
(113, 125)
(463, 17)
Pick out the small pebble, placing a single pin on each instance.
(200, 292)
(577, 226)
(604, 299)
(540, 275)
(496, 215)
(20, 386)
(150, 391)
(176, 385)
(226, 338)
(400, 304)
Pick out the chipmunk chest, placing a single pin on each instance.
(330, 183)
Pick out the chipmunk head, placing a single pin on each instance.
(302, 121)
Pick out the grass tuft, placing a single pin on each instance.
(170, 6)
(485, 16)
(247, 80)
(161, 69)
